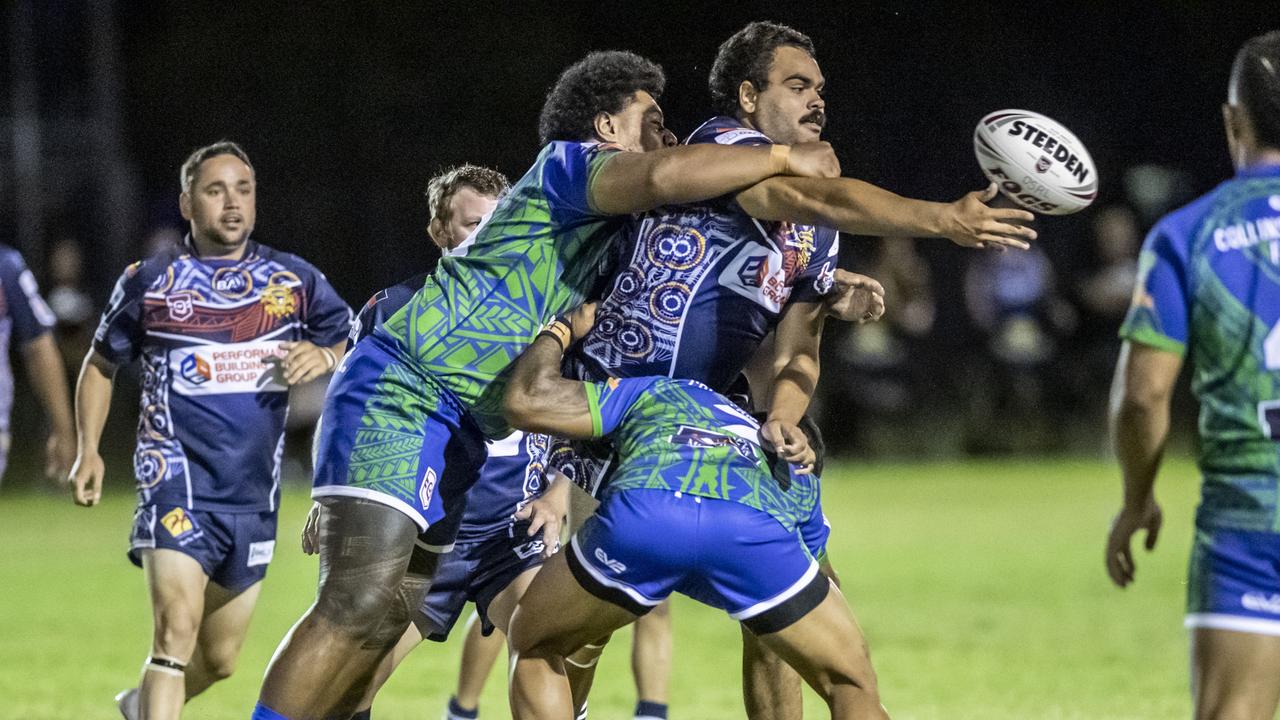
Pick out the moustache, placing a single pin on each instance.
(817, 117)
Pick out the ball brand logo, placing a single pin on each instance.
(1042, 139)
(181, 306)
(278, 300)
(195, 370)
(178, 522)
(1043, 164)
(232, 282)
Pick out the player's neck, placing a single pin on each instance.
(1259, 157)
(206, 250)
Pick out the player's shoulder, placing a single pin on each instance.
(141, 274)
(290, 261)
(392, 298)
(726, 130)
(566, 152)
(1180, 225)
(11, 260)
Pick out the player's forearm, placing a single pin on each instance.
(49, 381)
(793, 389)
(93, 401)
(848, 205)
(539, 399)
(1138, 432)
(638, 182)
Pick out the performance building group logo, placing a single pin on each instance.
(195, 370)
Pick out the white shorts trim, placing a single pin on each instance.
(437, 549)
(609, 582)
(374, 496)
(1239, 623)
(781, 597)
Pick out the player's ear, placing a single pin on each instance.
(435, 230)
(604, 126)
(184, 205)
(747, 95)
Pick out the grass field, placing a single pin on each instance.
(980, 586)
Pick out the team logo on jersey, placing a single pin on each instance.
(232, 282)
(278, 300)
(1042, 165)
(428, 488)
(195, 370)
(178, 522)
(826, 279)
(609, 562)
(700, 438)
(181, 305)
(753, 272)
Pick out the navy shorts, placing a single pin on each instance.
(643, 545)
(1234, 581)
(233, 548)
(476, 571)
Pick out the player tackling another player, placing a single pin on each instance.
(1209, 289)
(223, 327)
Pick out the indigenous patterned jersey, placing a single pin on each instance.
(1209, 281)
(704, 284)
(213, 402)
(24, 316)
(514, 472)
(681, 436)
(536, 255)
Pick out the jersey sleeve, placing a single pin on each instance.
(31, 316)
(328, 318)
(723, 133)
(120, 332)
(612, 399)
(1158, 315)
(819, 276)
(568, 172)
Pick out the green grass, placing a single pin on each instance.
(979, 585)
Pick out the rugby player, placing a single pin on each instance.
(402, 432)
(223, 326)
(26, 319)
(691, 470)
(1208, 283)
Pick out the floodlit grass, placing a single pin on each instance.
(979, 584)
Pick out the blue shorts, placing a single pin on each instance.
(476, 571)
(1234, 581)
(643, 545)
(391, 435)
(233, 548)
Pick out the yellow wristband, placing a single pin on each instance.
(779, 159)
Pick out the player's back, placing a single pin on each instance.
(1210, 285)
(536, 255)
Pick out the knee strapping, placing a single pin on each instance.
(162, 664)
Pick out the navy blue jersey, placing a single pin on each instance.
(23, 318)
(702, 285)
(208, 332)
(515, 471)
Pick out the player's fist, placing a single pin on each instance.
(580, 320)
(60, 455)
(305, 361)
(86, 479)
(813, 159)
(790, 443)
(1120, 565)
(970, 222)
(855, 298)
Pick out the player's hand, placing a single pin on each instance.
(972, 223)
(857, 298)
(1128, 521)
(813, 159)
(546, 513)
(60, 455)
(305, 361)
(86, 479)
(311, 531)
(581, 319)
(790, 443)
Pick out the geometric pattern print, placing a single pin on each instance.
(158, 455)
(650, 460)
(228, 304)
(388, 444)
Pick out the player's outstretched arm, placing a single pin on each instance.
(49, 381)
(795, 378)
(858, 207)
(93, 401)
(1139, 415)
(634, 182)
(538, 398)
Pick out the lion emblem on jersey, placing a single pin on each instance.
(278, 300)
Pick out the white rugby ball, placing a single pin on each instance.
(1037, 162)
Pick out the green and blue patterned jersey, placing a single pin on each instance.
(681, 436)
(537, 254)
(1209, 285)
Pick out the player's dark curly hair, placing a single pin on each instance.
(747, 55)
(1256, 75)
(603, 81)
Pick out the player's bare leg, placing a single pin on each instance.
(651, 659)
(555, 617)
(479, 653)
(828, 649)
(176, 584)
(411, 639)
(367, 596)
(1234, 675)
(222, 633)
(580, 667)
(771, 689)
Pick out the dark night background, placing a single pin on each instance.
(348, 108)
